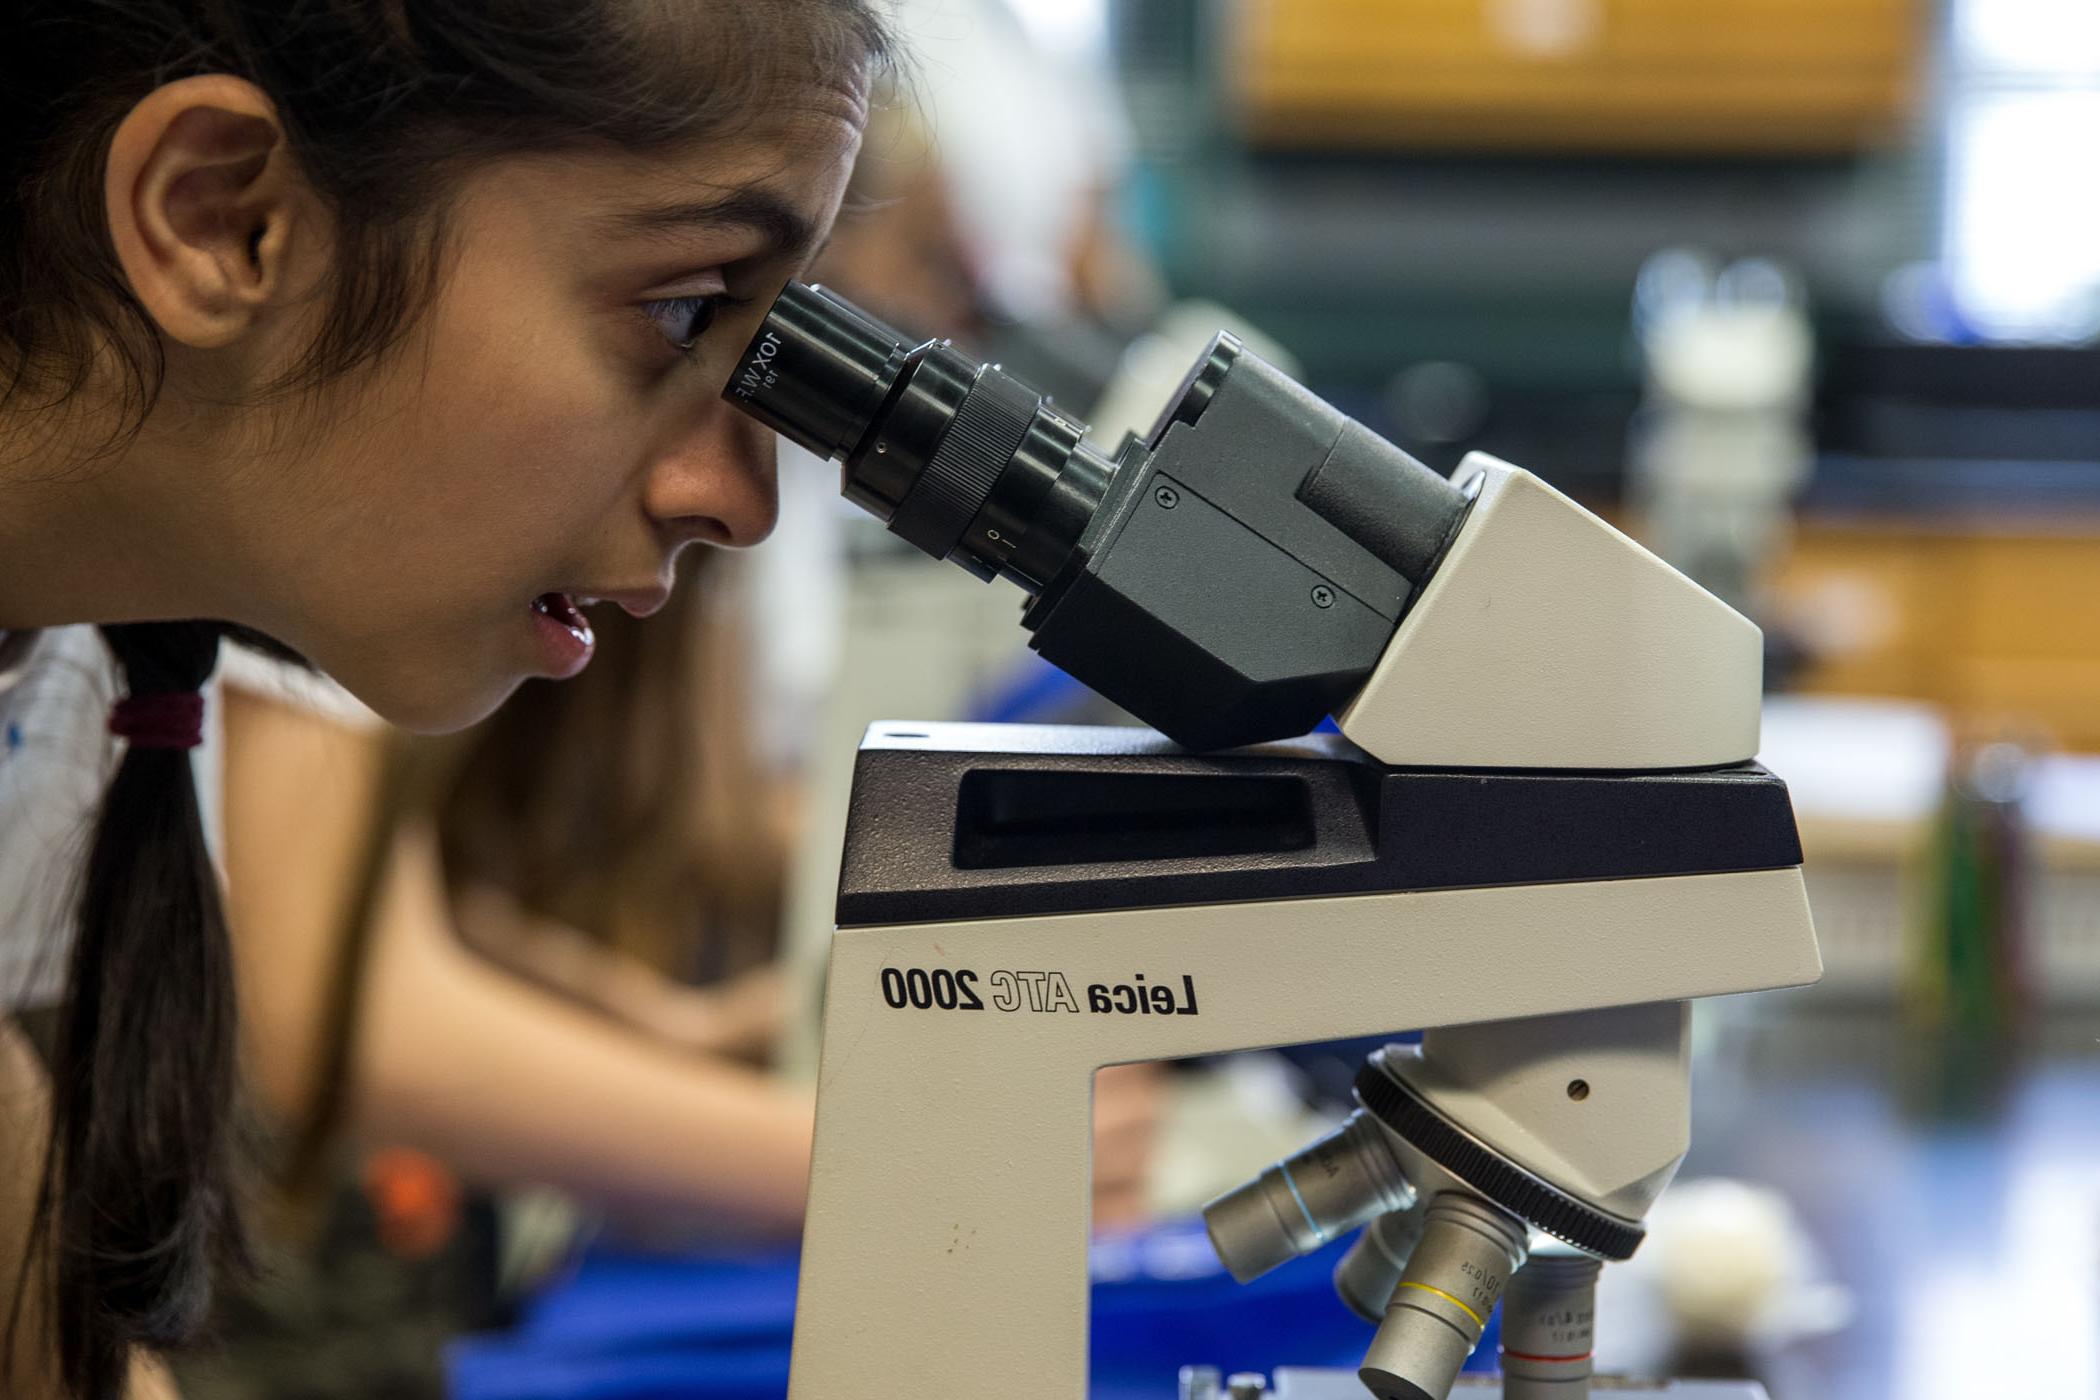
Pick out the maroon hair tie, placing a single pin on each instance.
(170, 720)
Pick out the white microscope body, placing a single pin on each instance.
(1545, 836)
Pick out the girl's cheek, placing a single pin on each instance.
(556, 425)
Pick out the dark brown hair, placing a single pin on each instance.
(628, 803)
(625, 805)
(384, 103)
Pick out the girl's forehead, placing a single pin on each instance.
(794, 143)
(771, 193)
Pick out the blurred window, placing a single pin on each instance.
(1075, 30)
(2023, 207)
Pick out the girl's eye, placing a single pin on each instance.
(683, 320)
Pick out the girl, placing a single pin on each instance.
(392, 330)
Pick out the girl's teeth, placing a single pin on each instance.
(563, 609)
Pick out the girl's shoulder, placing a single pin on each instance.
(56, 687)
(56, 757)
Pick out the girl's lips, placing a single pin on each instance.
(564, 634)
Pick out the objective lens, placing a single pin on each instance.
(1369, 1272)
(961, 459)
(1302, 1202)
(1548, 1320)
(1453, 1280)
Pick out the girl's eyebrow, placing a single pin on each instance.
(788, 233)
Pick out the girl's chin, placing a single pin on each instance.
(435, 702)
(435, 680)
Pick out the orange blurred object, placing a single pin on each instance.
(415, 1201)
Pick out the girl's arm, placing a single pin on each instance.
(507, 1082)
(738, 1019)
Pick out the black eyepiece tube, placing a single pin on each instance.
(961, 459)
(1230, 578)
(818, 370)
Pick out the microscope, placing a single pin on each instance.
(1538, 834)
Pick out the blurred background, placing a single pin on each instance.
(1805, 294)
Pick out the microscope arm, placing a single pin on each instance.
(952, 1145)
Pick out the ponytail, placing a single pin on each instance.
(139, 1205)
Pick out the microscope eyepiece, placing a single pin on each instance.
(1230, 578)
(818, 370)
(961, 459)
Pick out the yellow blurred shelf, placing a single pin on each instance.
(1996, 626)
(1733, 75)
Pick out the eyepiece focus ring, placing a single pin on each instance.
(988, 429)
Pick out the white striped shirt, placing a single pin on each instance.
(55, 692)
(56, 756)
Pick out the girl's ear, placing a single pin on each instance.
(205, 209)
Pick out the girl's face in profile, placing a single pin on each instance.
(552, 431)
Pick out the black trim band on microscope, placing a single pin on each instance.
(956, 821)
(1487, 1171)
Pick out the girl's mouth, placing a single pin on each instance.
(564, 634)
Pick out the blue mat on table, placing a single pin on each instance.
(628, 1326)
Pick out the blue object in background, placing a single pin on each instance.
(1032, 691)
(627, 1326)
